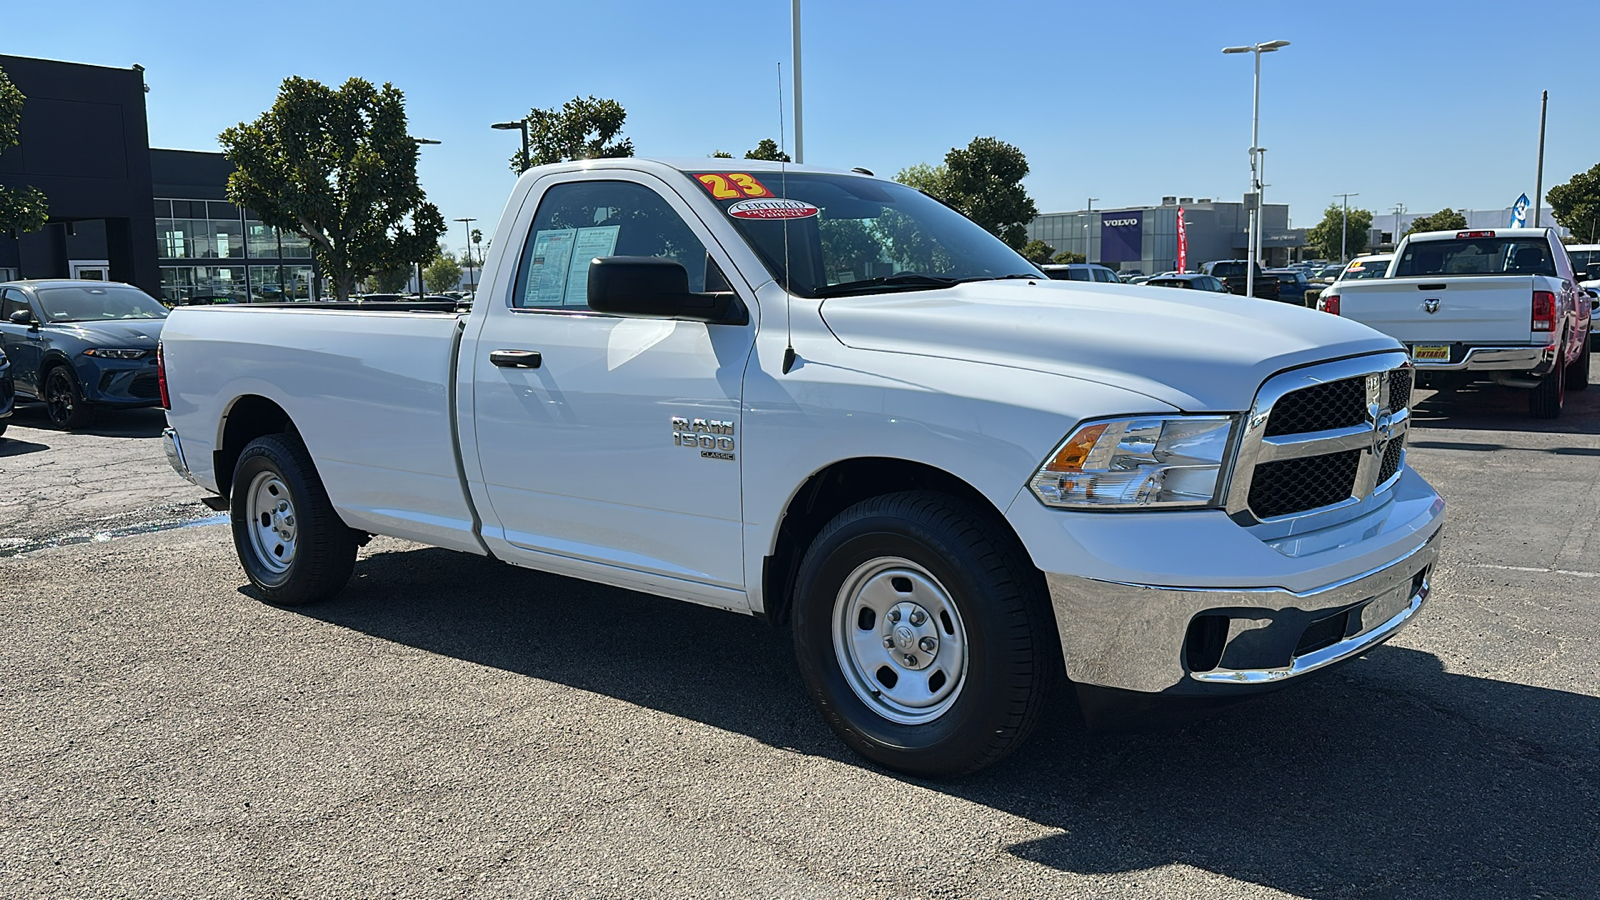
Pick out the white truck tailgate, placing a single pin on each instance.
(1443, 310)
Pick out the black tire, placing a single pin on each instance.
(1011, 654)
(63, 400)
(1578, 372)
(1545, 400)
(299, 558)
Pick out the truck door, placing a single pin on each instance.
(620, 446)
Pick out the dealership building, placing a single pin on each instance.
(122, 211)
(1145, 238)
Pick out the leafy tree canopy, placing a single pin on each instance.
(21, 209)
(1325, 238)
(580, 129)
(444, 273)
(337, 166)
(389, 281)
(1067, 256)
(1445, 219)
(767, 149)
(984, 182)
(1577, 204)
(1037, 252)
(931, 180)
(722, 154)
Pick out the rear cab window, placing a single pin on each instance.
(1477, 256)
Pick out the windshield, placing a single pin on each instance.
(838, 234)
(1365, 268)
(1476, 256)
(98, 304)
(1582, 260)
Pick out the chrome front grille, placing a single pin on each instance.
(1322, 436)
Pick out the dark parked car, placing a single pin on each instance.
(1235, 275)
(1191, 281)
(7, 395)
(1294, 287)
(79, 345)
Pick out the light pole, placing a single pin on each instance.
(1344, 229)
(1088, 231)
(420, 289)
(794, 34)
(522, 124)
(1261, 204)
(1255, 142)
(466, 224)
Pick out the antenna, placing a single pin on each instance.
(788, 278)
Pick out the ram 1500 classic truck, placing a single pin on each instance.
(1501, 304)
(831, 401)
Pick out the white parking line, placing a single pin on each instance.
(1534, 569)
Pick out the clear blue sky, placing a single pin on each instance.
(1427, 104)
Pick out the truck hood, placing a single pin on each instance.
(1195, 351)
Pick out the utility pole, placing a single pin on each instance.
(1254, 241)
(421, 291)
(1538, 182)
(466, 223)
(1399, 210)
(1261, 205)
(1344, 230)
(794, 26)
(1088, 232)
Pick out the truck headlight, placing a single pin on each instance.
(1149, 461)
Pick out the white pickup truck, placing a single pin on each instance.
(1501, 304)
(830, 401)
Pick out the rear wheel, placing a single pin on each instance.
(923, 634)
(1578, 372)
(63, 400)
(294, 547)
(1545, 400)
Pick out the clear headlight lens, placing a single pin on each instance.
(114, 353)
(1150, 461)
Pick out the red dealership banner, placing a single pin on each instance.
(1183, 244)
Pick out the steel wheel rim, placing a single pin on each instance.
(272, 523)
(58, 397)
(900, 641)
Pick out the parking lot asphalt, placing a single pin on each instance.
(450, 726)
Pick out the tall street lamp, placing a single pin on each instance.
(523, 125)
(466, 224)
(421, 142)
(1088, 231)
(1255, 143)
(1344, 229)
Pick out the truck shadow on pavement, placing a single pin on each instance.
(1387, 777)
(132, 423)
(10, 446)
(1485, 406)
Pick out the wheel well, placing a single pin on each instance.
(833, 490)
(249, 417)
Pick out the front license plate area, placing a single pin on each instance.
(1430, 353)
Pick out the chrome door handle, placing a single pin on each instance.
(516, 359)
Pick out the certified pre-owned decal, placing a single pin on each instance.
(772, 209)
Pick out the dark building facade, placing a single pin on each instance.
(157, 219)
(85, 145)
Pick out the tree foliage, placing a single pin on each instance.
(1324, 240)
(21, 209)
(1037, 252)
(444, 273)
(337, 166)
(579, 129)
(1445, 219)
(1066, 257)
(1576, 204)
(984, 182)
(722, 154)
(390, 281)
(767, 149)
(849, 248)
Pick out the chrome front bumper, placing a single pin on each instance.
(1138, 637)
(169, 443)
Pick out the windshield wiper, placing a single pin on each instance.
(900, 281)
(1028, 276)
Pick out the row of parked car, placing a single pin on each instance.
(1299, 284)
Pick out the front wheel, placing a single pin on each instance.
(294, 547)
(923, 634)
(63, 400)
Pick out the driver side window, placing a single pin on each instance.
(579, 221)
(10, 302)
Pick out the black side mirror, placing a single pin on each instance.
(22, 317)
(656, 288)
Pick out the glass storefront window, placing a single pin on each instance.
(184, 285)
(228, 238)
(297, 282)
(294, 246)
(262, 240)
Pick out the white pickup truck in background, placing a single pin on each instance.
(828, 400)
(1502, 304)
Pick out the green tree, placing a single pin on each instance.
(1577, 204)
(984, 182)
(1066, 257)
(1037, 252)
(722, 154)
(390, 281)
(337, 166)
(21, 209)
(768, 150)
(580, 129)
(444, 273)
(1445, 219)
(1326, 237)
(849, 249)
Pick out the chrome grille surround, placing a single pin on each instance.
(1384, 378)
